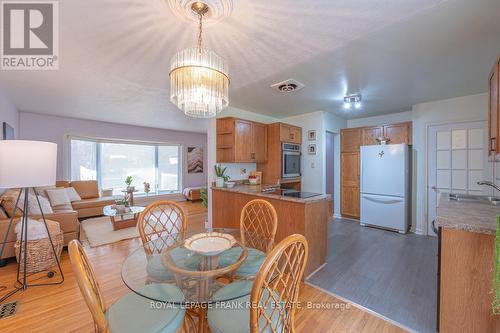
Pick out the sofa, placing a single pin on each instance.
(92, 202)
(67, 219)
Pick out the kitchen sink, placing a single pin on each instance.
(474, 198)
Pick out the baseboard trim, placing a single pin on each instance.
(361, 307)
(315, 271)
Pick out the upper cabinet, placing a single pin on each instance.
(493, 110)
(241, 141)
(371, 134)
(393, 134)
(398, 133)
(290, 133)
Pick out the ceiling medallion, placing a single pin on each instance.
(219, 10)
(199, 80)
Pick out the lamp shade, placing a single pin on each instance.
(27, 163)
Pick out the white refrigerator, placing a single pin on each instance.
(385, 186)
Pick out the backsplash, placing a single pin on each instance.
(235, 170)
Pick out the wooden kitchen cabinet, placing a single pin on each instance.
(493, 111)
(241, 141)
(369, 135)
(398, 133)
(350, 139)
(290, 134)
(349, 184)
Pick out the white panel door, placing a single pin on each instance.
(383, 169)
(457, 160)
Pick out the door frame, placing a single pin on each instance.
(424, 210)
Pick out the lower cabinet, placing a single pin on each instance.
(349, 168)
(350, 201)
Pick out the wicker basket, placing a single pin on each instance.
(40, 256)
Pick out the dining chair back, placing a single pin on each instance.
(88, 285)
(258, 223)
(161, 225)
(276, 287)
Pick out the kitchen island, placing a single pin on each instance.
(467, 230)
(306, 216)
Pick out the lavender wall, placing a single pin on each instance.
(35, 126)
(8, 113)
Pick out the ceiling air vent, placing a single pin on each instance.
(287, 86)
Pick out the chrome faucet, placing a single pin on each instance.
(488, 183)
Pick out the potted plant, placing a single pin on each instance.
(128, 182)
(220, 172)
(147, 187)
(121, 205)
(204, 197)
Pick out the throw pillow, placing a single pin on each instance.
(59, 199)
(3, 214)
(72, 194)
(34, 209)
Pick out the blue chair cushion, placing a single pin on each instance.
(234, 316)
(251, 265)
(133, 313)
(183, 258)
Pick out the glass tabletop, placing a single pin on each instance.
(112, 211)
(151, 270)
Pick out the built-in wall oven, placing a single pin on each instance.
(290, 160)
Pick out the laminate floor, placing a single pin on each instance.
(391, 274)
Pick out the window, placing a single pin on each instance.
(110, 162)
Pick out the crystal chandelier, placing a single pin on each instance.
(199, 81)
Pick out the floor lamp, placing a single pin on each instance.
(26, 165)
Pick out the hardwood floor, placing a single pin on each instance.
(62, 309)
(394, 275)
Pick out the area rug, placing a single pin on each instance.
(99, 231)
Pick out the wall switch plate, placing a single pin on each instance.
(313, 165)
(243, 171)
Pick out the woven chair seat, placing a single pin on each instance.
(133, 313)
(251, 265)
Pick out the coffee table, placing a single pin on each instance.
(123, 222)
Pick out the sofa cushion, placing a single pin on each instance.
(72, 194)
(91, 203)
(59, 199)
(33, 207)
(3, 214)
(8, 202)
(62, 183)
(87, 189)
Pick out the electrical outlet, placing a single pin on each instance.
(313, 165)
(243, 171)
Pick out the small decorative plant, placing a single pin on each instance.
(128, 182)
(204, 197)
(122, 202)
(220, 172)
(147, 187)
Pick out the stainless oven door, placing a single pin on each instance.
(290, 164)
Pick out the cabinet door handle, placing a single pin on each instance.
(252, 156)
(493, 144)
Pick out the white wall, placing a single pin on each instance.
(380, 120)
(314, 166)
(466, 108)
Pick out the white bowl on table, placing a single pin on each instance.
(230, 184)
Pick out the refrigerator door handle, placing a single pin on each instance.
(386, 201)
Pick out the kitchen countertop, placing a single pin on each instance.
(469, 216)
(257, 191)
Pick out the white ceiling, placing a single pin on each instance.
(115, 57)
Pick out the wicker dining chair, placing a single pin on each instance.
(258, 224)
(162, 225)
(131, 313)
(270, 307)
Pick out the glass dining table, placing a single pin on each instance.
(166, 260)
